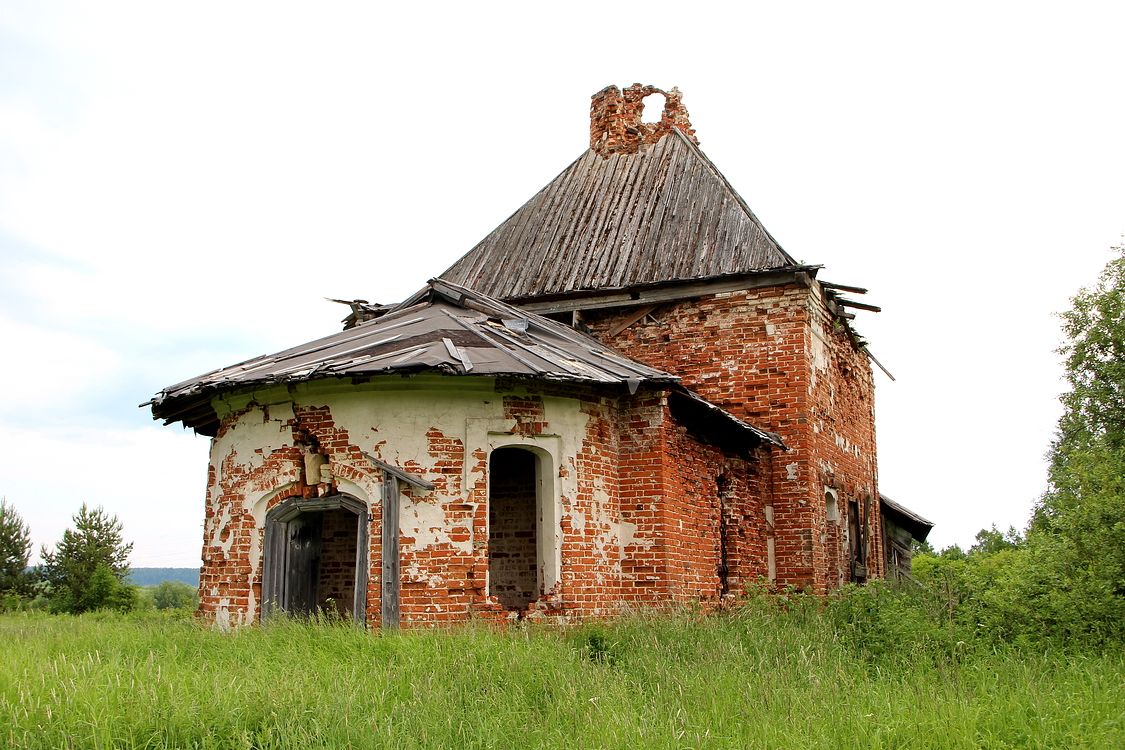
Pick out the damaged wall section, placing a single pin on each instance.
(626, 503)
(775, 357)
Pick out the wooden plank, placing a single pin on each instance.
(630, 320)
(858, 305)
(412, 479)
(660, 294)
(362, 566)
(389, 604)
(878, 363)
(844, 287)
(273, 568)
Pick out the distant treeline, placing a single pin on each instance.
(156, 576)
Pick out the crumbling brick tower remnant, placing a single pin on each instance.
(616, 119)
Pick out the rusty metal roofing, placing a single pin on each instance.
(662, 214)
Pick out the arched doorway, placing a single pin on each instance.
(515, 527)
(315, 557)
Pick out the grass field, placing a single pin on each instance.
(745, 679)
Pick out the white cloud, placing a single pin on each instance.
(181, 185)
(152, 479)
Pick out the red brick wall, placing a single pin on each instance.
(745, 486)
(774, 357)
(336, 584)
(641, 467)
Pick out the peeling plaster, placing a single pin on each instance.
(425, 521)
(264, 428)
(218, 527)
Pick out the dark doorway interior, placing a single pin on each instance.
(856, 545)
(513, 551)
(335, 588)
(313, 558)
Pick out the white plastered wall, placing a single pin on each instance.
(392, 418)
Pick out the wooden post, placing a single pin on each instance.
(389, 613)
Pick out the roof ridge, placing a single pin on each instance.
(730, 189)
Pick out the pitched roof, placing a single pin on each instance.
(445, 328)
(456, 331)
(918, 527)
(662, 214)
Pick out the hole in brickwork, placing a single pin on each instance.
(652, 108)
(513, 557)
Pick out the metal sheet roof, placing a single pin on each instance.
(663, 214)
(454, 330)
(446, 328)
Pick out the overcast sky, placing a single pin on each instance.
(181, 186)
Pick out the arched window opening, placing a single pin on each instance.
(514, 519)
(831, 506)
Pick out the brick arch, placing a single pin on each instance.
(275, 489)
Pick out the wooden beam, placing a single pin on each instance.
(389, 589)
(650, 295)
(877, 362)
(857, 305)
(844, 287)
(630, 320)
(394, 471)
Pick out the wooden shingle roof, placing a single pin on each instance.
(663, 214)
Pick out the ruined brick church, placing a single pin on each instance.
(628, 394)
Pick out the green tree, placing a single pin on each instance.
(15, 550)
(992, 540)
(87, 568)
(1073, 572)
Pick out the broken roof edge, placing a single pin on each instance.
(536, 348)
(701, 406)
(911, 518)
(669, 290)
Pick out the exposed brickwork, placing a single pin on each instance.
(617, 117)
(774, 357)
(336, 582)
(639, 509)
(647, 513)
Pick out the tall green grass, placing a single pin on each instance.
(753, 677)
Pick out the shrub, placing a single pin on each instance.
(175, 595)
